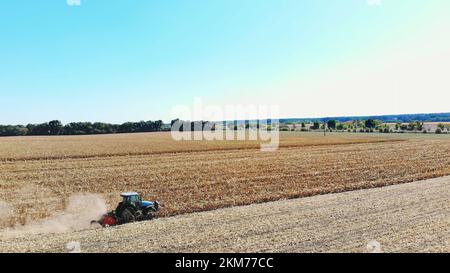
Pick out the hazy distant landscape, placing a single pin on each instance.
(425, 123)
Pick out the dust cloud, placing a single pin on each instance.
(81, 209)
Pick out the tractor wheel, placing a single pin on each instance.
(149, 216)
(128, 216)
(138, 216)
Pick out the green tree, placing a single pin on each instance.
(55, 127)
(331, 124)
(419, 125)
(39, 129)
(370, 123)
(13, 130)
(316, 125)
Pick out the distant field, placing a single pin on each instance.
(56, 147)
(39, 174)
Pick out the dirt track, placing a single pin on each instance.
(412, 217)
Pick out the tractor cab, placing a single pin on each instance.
(134, 199)
(130, 197)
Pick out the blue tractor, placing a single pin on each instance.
(131, 209)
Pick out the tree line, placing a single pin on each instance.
(405, 118)
(186, 125)
(55, 127)
(371, 125)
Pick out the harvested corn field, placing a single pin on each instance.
(199, 178)
(411, 217)
(60, 147)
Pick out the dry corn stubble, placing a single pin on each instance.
(411, 217)
(206, 176)
(44, 147)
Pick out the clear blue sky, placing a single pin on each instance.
(130, 60)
